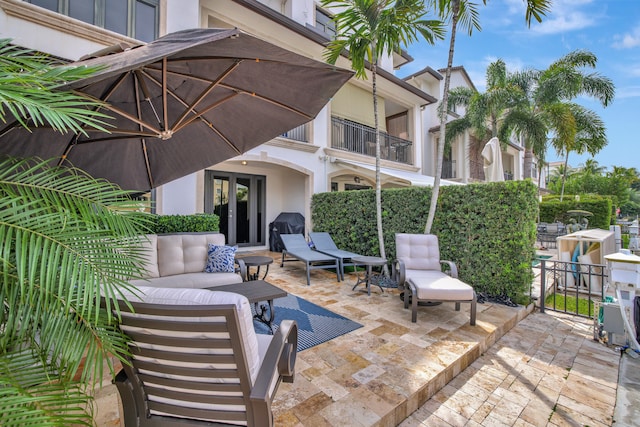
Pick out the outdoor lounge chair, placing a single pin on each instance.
(323, 242)
(418, 269)
(196, 360)
(296, 247)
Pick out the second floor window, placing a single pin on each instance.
(133, 18)
(325, 24)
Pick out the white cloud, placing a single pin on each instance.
(628, 92)
(628, 40)
(565, 15)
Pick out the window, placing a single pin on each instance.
(134, 18)
(325, 24)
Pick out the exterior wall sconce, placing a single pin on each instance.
(356, 179)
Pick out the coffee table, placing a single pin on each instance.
(257, 291)
(369, 262)
(256, 261)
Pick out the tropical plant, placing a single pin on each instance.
(368, 30)
(465, 12)
(27, 80)
(550, 112)
(66, 239)
(485, 109)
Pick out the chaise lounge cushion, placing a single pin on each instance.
(440, 286)
(418, 251)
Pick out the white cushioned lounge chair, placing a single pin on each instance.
(418, 269)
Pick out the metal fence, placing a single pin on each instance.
(358, 138)
(571, 287)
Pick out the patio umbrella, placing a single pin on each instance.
(492, 155)
(182, 103)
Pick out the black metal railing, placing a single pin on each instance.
(300, 133)
(571, 287)
(358, 138)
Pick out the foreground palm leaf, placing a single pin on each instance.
(65, 240)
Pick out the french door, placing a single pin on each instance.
(239, 201)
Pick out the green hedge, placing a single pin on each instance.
(185, 223)
(487, 229)
(552, 209)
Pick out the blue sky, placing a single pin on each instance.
(608, 28)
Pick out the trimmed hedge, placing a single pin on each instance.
(552, 209)
(488, 229)
(184, 223)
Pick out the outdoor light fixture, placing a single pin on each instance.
(356, 179)
(244, 163)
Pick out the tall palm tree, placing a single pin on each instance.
(64, 242)
(549, 110)
(368, 30)
(463, 11)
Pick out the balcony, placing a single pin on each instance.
(358, 138)
(300, 133)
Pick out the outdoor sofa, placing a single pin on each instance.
(179, 261)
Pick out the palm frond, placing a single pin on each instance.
(66, 241)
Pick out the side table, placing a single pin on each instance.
(256, 261)
(257, 291)
(369, 262)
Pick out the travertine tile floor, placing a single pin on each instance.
(546, 371)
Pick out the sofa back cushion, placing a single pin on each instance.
(185, 253)
(418, 251)
(149, 245)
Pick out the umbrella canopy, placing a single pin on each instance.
(492, 155)
(182, 103)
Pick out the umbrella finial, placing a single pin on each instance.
(165, 134)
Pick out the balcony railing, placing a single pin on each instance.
(358, 138)
(300, 134)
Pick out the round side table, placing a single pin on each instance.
(369, 262)
(256, 261)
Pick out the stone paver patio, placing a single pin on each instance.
(546, 370)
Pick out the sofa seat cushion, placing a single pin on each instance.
(190, 280)
(440, 286)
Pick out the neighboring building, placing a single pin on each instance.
(334, 152)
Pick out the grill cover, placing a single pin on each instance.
(285, 223)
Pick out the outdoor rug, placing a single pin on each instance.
(315, 324)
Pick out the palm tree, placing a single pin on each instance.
(549, 110)
(484, 110)
(592, 167)
(368, 30)
(65, 240)
(463, 11)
